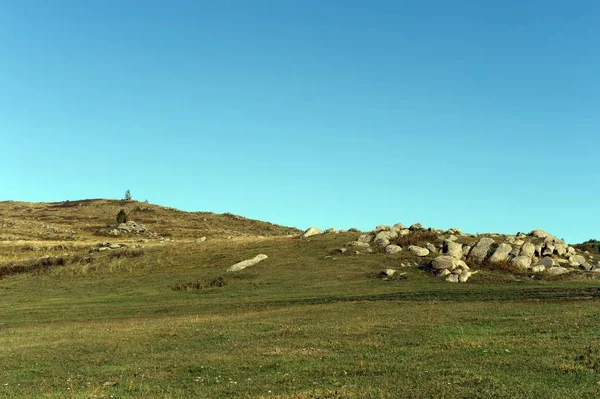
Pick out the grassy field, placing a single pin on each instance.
(305, 323)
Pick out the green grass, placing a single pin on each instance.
(301, 324)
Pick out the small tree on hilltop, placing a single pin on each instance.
(127, 195)
(122, 216)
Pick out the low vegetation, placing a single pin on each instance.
(151, 318)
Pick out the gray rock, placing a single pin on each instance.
(388, 235)
(528, 249)
(501, 253)
(522, 262)
(353, 230)
(312, 231)
(570, 250)
(558, 270)
(464, 276)
(452, 238)
(389, 272)
(247, 263)
(416, 226)
(453, 249)
(201, 239)
(548, 249)
(561, 249)
(480, 251)
(431, 247)
(382, 242)
(538, 268)
(444, 262)
(382, 227)
(399, 226)
(586, 266)
(403, 232)
(452, 278)
(393, 249)
(539, 233)
(465, 250)
(547, 262)
(419, 251)
(332, 230)
(444, 273)
(576, 260)
(365, 238)
(358, 244)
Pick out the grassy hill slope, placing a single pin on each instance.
(308, 322)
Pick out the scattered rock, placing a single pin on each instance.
(557, 270)
(453, 249)
(539, 233)
(444, 262)
(522, 262)
(480, 251)
(312, 231)
(389, 272)
(201, 239)
(547, 262)
(419, 251)
(528, 249)
(393, 249)
(501, 253)
(365, 238)
(247, 263)
(332, 230)
(452, 278)
(431, 247)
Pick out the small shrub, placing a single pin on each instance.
(418, 237)
(122, 216)
(126, 253)
(591, 358)
(200, 285)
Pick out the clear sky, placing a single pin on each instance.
(476, 114)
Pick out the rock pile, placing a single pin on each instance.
(536, 252)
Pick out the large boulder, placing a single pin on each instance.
(528, 249)
(539, 233)
(247, 263)
(547, 262)
(382, 242)
(312, 231)
(419, 251)
(387, 234)
(453, 249)
(393, 249)
(480, 251)
(501, 253)
(576, 260)
(365, 238)
(522, 262)
(382, 227)
(431, 247)
(557, 270)
(447, 262)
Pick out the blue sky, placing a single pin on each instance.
(479, 115)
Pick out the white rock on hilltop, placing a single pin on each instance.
(312, 231)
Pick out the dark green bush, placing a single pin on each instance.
(122, 216)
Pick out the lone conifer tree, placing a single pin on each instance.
(127, 195)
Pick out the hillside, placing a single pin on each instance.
(342, 314)
(94, 218)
